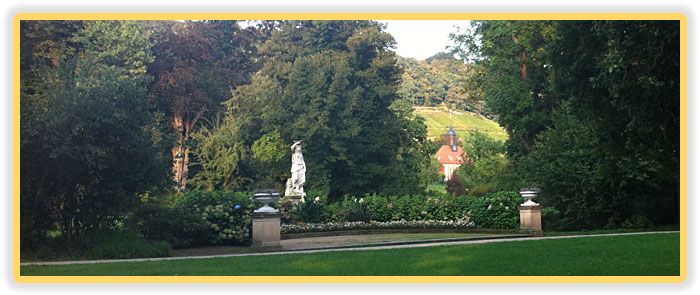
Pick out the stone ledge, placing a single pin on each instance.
(393, 231)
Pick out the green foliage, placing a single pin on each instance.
(199, 218)
(219, 153)
(438, 80)
(196, 65)
(503, 213)
(497, 211)
(88, 146)
(178, 226)
(330, 84)
(115, 244)
(592, 110)
(270, 148)
(514, 74)
(226, 214)
(311, 210)
(355, 209)
(629, 97)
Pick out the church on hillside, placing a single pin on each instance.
(450, 154)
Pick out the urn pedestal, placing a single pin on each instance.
(531, 220)
(530, 214)
(266, 231)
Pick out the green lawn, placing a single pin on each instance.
(634, 255)
(438, 122)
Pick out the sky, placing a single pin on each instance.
(421, 39)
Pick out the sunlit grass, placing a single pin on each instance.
(633, 255)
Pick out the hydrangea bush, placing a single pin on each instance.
(227, 215)
(199, 218)
(494, 211)
(224, 218)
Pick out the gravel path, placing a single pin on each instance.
(417, 245)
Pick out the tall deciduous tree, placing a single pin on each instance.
(516, 76)
(197, 65)
(621, 80)
(87, 148)
(331, 84)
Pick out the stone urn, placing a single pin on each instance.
(529, 194)
(266, 197)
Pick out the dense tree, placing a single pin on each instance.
(332, 85)
(592, 110)
(487, 170)
(621, 87)
(512, 56)
(197, 65)
(86, 136)
(440, 79)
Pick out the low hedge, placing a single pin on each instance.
(224, 218)
(496, 211)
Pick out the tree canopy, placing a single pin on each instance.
(592, 111)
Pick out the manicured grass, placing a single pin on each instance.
(364, 240)
(438, 122)
(613, 231)
(633, 255)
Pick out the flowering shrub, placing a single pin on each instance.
(311, 210)
(199, 218)
(355, 209)
(496, 211)
(224, 218)
(357, 225)
(227, 215)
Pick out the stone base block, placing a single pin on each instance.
(531, 220)
(295, 199)
(266, 231)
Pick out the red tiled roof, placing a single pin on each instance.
(446, 156)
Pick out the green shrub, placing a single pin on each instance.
(333, 212)
(311, 210)
(227, 214)
(355, 209)
(199, 218)
(179, 226)
(502, 214)
(497, 211)
(637, 221)
(552, 220)
(115, 244)
(123, 245)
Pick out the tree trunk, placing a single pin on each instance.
(181, 155)
(523, 66)
(181, 160)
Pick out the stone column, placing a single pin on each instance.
(266, 231)
(531, 220)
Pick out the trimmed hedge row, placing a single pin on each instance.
(495, 211)
(224, 218)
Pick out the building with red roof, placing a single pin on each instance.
(450, 154)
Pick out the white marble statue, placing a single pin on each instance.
(295, 185)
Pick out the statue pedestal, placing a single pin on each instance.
(266, 231)
(531, 220)
(295, 199)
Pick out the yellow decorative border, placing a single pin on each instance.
(352, 279)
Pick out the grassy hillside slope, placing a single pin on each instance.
(438, 120)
